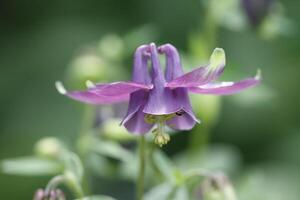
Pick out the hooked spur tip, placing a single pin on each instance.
(89, 84)
(258, 75)
(143, 47)
(60, 87)
(166, 47)
(217, 57)
(147, 54)
(152, 45)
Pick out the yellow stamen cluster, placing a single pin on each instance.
(160, 137)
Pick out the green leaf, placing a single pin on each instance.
(165, 165)
(98, 197)
(112, 149)
(30, 166)
(73, 164)
(181, 193)
(161, 192)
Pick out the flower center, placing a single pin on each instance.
(160, 137)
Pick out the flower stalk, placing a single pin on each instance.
(142, 163)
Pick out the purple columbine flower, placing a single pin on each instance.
(158, 97)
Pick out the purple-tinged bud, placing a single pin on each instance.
(39, 194)
(257, 10)
(216, 187)
(42, 194)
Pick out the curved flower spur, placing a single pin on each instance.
(161, 98)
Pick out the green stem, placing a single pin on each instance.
(199, 139)
(54, 182)
(87, 122)
(62, 179)
(141, 177)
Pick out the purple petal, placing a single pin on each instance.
(226, 88)
(173, 68)
(104, 93)
(140, 72)
(158, 103)
(163, 100)
(118, 88)
(136, 123)
(187, 120)
(183, 122)
(139, 98)
(202, 75)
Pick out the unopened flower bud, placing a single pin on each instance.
(111, 47)
(87, 67)
(56, 194)
(48, 147)
(217, 187)
(111, 129)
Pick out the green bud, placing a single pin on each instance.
(111, 47)
(73, 183)
(87, 67)
(49, 147)
(111, 129)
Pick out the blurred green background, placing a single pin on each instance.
(39, 39)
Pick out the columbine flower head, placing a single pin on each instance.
(159, 97)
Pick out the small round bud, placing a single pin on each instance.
(87, 67)
(55, 194)
(111, 47)
(217, 187)
(48, 147)
(111, 129)
(39, 195)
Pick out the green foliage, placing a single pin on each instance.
(98, 197)
(30, 166)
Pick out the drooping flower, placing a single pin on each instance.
(158, 97)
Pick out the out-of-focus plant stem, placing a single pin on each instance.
(140, 184)
(203, 41)
(207, 40)
(87, 123)
(62, 179)
(199, 139)
(87, 120)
